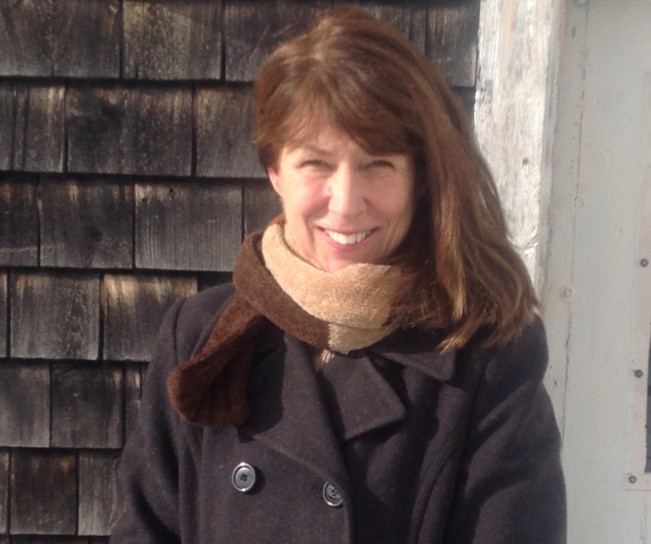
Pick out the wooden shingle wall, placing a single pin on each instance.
(127, 181)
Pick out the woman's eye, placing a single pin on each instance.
(314, 163)
(380, 163)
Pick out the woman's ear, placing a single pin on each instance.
(275, 180)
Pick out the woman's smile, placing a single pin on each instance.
(342, 204)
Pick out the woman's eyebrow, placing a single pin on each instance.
(309, 147)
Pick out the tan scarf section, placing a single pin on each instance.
(341, 312)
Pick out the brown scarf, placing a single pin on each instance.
(341, 311)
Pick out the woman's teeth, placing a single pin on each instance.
(347, 239)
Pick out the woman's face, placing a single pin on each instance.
(343, 205)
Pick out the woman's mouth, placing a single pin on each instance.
(347, 239)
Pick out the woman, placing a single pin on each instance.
(375, 374)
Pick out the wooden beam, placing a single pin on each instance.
(514, 114)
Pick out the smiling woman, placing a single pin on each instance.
(374, 373)
(343, 205)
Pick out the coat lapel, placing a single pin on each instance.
(287, 410)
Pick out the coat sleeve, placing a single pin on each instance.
(511, 486)
(151, 458)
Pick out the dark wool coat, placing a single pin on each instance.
(406, 444)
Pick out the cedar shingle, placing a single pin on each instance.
(172, 40)
(225, 133)
(18, 221)
(452, 41)
(122, 130)
(100, 504)
(54, 315)
(181, 226)
(24, 404)
(410, 19)
(132, 394)
(261, 204)
(76, 38)
(13, 109)
(134, 307)
(252, 29)
(4, 490)
(87, 405)
(43, 492)
(3, 314)
(44, 129)
(86, 224)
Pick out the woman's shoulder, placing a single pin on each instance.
(192, 319)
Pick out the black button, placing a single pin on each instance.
(331, 496)
(243, 477)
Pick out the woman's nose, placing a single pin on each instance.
(346, 192)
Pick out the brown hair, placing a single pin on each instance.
(367, 79)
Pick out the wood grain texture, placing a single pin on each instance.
(261, 204)
(87, 405)
(134, 307)
(75, 38)
(253, 28)
(24, 404)
(18, 221)
(182, 226)
(4, 318)
(13, 111)
(4, 490)
(132, 394)
(119, 130)
(451, 41)
(225, 133)
(172, 40)
(54, 315)
(100, 494)
(86, 223)
(44, 129)
(43, 490)
(410, 18)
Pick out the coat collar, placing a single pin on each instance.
(290, 409)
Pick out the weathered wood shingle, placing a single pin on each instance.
(117, 129)
(87, 405)
(54, 315)
(225, 133)
(3, 314)
(188, 227)
(261, 204)
(24, 404)
(4, 490)
(43, 492)
(32, 116)
(86, 223)
(18, 221)
(100, 499)
(172, 40)
(133, 308)
(452, 40)
(78, 38)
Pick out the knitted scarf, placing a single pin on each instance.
(341, 311)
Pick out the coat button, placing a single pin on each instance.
(331, 496)
(243, 477)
